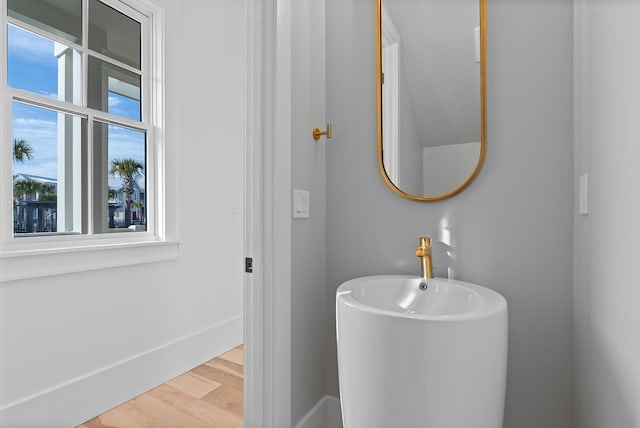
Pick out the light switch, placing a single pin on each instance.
(476, 39)
(584, 194)
(300, 203)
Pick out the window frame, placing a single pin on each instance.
(91, 250)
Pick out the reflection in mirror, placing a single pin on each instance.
(430, 95)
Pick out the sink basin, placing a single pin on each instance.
(443, 299)
(408, 357)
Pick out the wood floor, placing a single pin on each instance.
(209, 396)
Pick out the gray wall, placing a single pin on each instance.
(606, 292)
(308, 310)
(512, 228)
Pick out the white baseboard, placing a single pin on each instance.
(325, 414)
(77, 400)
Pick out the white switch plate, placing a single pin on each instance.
(584, 194)
(476, 39)
(300, 203)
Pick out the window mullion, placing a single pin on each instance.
(85, 52)
(120, 121)
(90, 175)
(6, 189)
(38, 100)
(90, 178)
(145, 68)
(114, 62)
(4, 49)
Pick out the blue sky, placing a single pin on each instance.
(32, 66)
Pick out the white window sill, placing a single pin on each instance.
(17, 265)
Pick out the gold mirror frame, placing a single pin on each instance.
(483, 137)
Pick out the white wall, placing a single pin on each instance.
(410, 170)
(445, 167)
(72, 346)
(606, 292)
(512, 228)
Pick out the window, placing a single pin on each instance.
(80, 108)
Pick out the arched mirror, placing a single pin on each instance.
(431, 95)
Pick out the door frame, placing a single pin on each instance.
(390, 62)
(267, 221)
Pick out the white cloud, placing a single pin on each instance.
(47, 168)
(126, 143)
(114, 102)
(28, 45)
(35, 130)
(49, 94)
(40, 123)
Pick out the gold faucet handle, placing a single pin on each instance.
(425, 246)
(425, 242)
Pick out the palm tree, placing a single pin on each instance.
(139, 205)
(126, 169)
(31, 188)
(28, 188)
(22, 150)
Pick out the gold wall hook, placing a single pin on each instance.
(318, 133)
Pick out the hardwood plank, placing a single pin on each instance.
(208, 396)
(235, 356)
(228, 398)
(143, 412)
(218, 374)
(226, 366)
(210, 416)
(146, 411)
(194, 385)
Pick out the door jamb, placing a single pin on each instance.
(267, 229)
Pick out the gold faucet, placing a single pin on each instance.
(423, 252)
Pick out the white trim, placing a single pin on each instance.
(267, 381)
(253, 388)
(391, 98)
(73, 402)
(325, 414)
(48, 255)
(268, 223)
(36, 264)
(42, 101)
(278, 232)
(390, 111)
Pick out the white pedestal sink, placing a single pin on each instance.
(433, 358)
